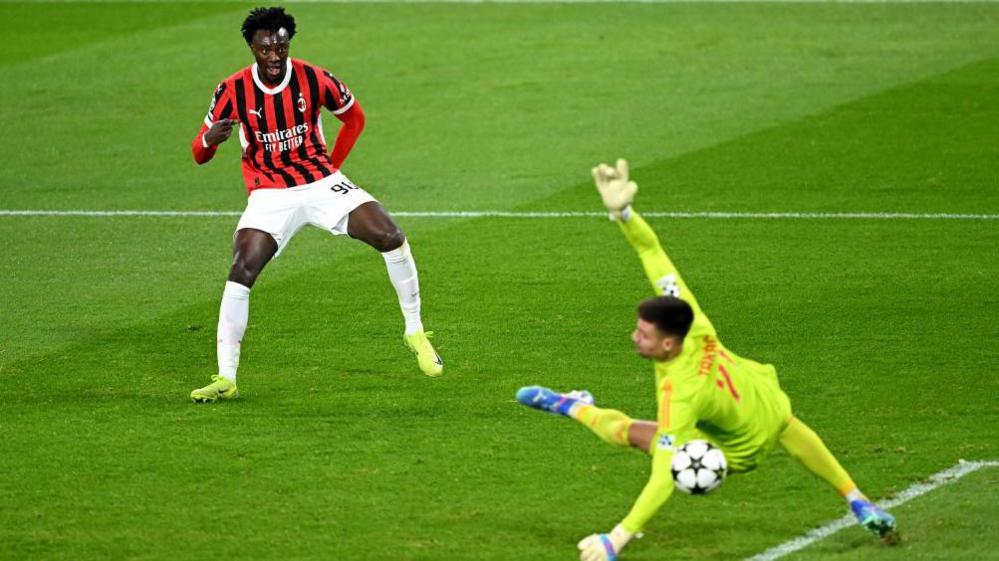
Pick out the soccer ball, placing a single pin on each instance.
(698, 467)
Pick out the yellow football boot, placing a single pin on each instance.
(220, 388)
(430, 362)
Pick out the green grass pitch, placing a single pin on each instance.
(884, 332)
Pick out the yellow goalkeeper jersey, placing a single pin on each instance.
(707, 391)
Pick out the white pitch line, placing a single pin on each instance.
(717, 215)
(935, 481)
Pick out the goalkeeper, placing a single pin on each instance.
(703, 391)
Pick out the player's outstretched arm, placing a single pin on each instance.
(618, 192)
(606, 547)
(676, 423)
(655, 493)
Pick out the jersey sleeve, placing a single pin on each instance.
(334, 94)
(221, 107)
(663, 275)
(353, 123)
(654, 495)
(677, 424)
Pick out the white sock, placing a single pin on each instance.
(233, 314)
(402, 273)
(855, 495)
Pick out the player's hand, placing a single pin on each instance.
(604, 547)
(220, 131)
(616, 190)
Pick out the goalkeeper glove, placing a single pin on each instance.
(615, 189)
(604, 547)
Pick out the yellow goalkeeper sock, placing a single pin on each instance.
(610, 425)
(805, 446)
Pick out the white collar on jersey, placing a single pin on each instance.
(279, 87)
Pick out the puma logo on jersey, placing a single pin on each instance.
(258, 112)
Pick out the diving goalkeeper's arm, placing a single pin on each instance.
(618, 192)
(606, 547)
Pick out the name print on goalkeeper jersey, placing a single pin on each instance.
(281, 130)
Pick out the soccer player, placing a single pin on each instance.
(704, 391)
(292, 181)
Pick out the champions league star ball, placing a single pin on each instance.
(698, 467)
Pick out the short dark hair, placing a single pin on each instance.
(671, 315)
(268, 19)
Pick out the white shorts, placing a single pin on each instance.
(283, 212)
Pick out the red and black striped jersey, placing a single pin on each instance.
(280, 128)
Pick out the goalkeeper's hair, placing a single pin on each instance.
(268, 19)
(671, 315)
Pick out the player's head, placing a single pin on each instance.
(663, 322)
(268, 32)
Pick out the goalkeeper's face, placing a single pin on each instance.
(652, 343)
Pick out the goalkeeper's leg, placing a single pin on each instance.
(610, 425)
(805, 446)
(615, 427)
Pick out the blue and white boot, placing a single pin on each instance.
(873, 518)
(553, 402)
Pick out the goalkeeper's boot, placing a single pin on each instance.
(547, 400)
(220, 388)
(430, 362)
(873, 518)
